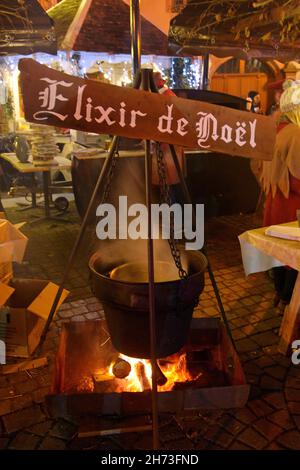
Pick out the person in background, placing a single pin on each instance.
(255, 102)
(274, 109)
(281, 180)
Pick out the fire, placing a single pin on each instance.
(140, 376)
(135, 382)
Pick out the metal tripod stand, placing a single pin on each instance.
(144, 80)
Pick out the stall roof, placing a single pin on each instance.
(102, 26)
(25, 28)
(267, 29)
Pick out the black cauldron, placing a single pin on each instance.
(126, 306)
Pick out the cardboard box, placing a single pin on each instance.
(25, 305)
(12, 247)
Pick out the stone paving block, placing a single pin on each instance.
(6, 392)
(94, 307)
(78, 318)
(22, 418)
(292, 394)
(236, 445)
(80, 310)
(180, 444)
(276, 399)
(13, 379)
(294, 372)
(238, 334)
(5, 407)
(24, 441)
(267, 429)
(264, 361)
(40, 393)
(245, 345)
(248, 330)
(290, 440)
(63, 430)
(293, 382)
(52, 443)
(252, 368)
(201, 444)
(282, 418)
(297, 421)
(260, 408)
(3, 443)
(255, 392)
(92, 315)
(20, 402)
(244, 415)
(219, 436)
(269, 383)
(66, 314)
(265, 339)
(294, 407)
(231, 424)
(40, 429)
(90, 443)
(252, 438)
(27, 386)
(275, 446)
(278, 372)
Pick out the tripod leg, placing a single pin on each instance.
(101, 178)
(188, 199)
(152, 312)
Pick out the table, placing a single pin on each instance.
(46, 172)
(262, 252)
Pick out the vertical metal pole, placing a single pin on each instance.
(148, 172)
(146, 85)
(205, 70)
(135, 30)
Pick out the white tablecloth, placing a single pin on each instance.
(261, 252)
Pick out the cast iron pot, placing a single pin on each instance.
(126, 307)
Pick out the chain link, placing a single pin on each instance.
(110, 175)
(166, 198)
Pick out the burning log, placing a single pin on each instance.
(161, 379)
(141, 373)
(121, 368)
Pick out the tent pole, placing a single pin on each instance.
(135, 30)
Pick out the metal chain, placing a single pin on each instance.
(166, 198)
(110, 175)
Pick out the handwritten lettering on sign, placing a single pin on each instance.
(55, 98)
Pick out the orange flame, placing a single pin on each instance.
(176, 371)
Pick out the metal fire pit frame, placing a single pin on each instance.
(203, 330)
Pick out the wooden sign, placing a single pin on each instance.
(55, 98)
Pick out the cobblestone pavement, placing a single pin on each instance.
(271, 418)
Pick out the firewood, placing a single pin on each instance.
(121, 368)
(140, 370)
